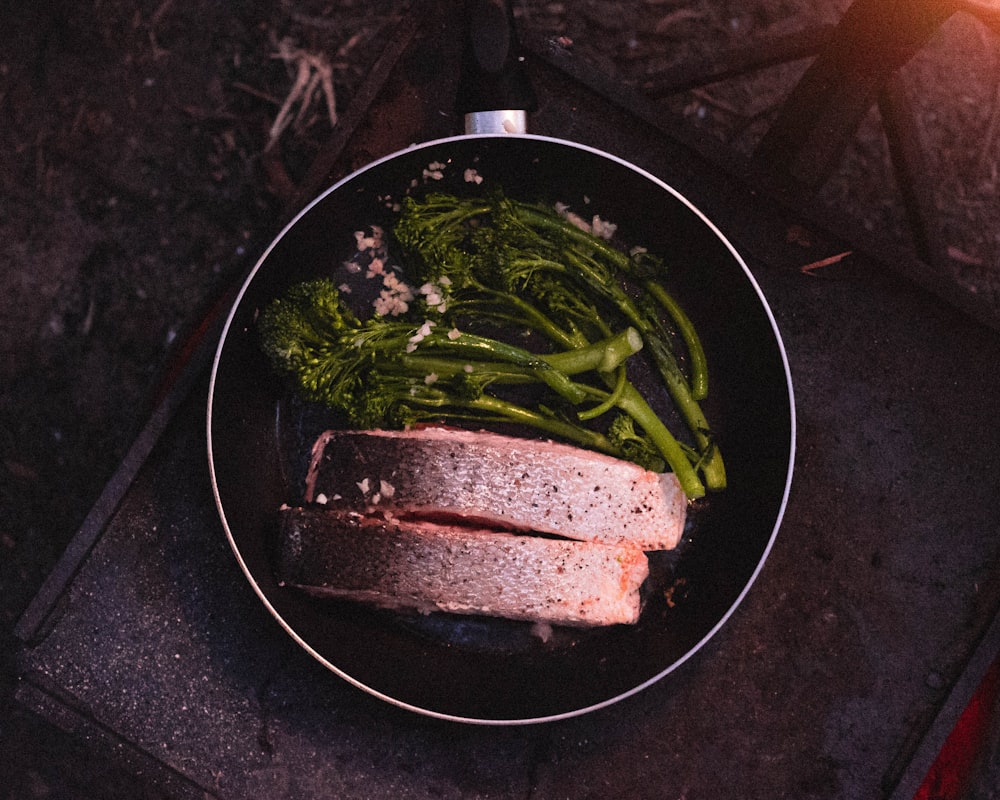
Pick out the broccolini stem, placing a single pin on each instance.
(506, 259)
(604, 356)
(699, 372)
(487, 406)
(495, 305)
(698, 377)
(416, 365)
(493, 350)
(635, 405)
(611, 401)
(547, 220)
(630, 400)
(680, 390)
(665, 360)
(710, 461)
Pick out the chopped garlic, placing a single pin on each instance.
(365, 242)
(389, 304)
(395, 296)
(575, 219)
(543, 630)
(603, 228)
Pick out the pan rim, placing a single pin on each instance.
(490, 721)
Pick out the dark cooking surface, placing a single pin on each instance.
(882, 580)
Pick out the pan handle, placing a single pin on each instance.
(494, 92)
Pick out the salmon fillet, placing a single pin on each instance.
(497, 481)
(414, 564)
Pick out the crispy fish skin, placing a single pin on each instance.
(427, 567)
(498, 481)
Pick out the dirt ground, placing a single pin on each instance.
(133, 162)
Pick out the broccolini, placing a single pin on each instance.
(493, 269)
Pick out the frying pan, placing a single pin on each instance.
(482, 670)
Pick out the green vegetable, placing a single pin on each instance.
(491, 270)
(387, 371)
(527, 264)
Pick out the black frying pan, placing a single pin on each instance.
(485, 670)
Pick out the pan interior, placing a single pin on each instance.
(488, 670)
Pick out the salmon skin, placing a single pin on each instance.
(497, 481)
(424, 566)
